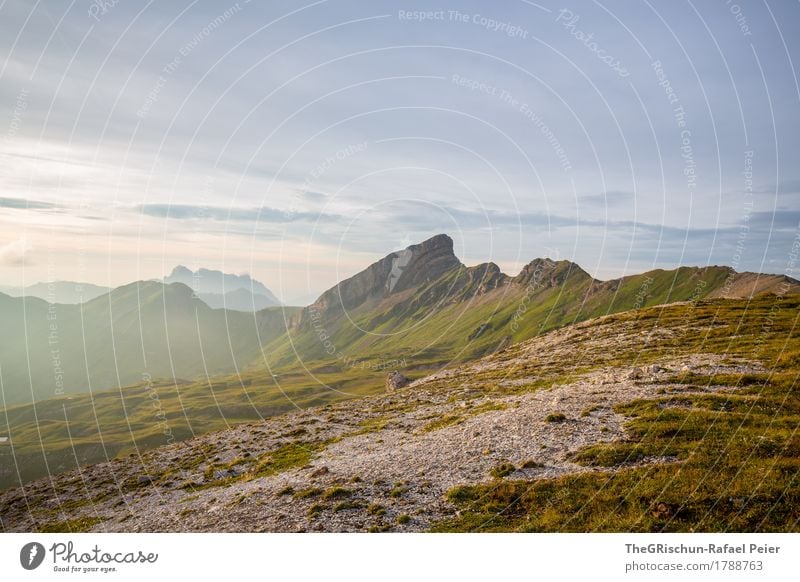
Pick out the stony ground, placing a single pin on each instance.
(383, 463)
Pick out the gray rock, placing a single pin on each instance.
(395, 380)
(635, 374)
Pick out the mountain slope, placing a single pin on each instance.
(424, 306)
(139, 331)
(607, 425)
(65, 292)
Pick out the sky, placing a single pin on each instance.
(299, 142)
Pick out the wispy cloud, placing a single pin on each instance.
(23, 204)
(16, 253)
(610, 198)
(219, 213)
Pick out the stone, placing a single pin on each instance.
(635, 374)
(321, 471)
(395, 380)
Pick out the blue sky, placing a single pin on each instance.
(299, 142)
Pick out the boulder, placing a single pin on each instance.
(395, 380)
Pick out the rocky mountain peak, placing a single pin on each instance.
(396, 272)
(549, 273)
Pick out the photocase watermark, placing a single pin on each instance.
(203, 211)
(741, 20)
(535, 284)
(160, 415)
(320, 170)
(53, 336)
(18, 113)
(66, 558)
(31, 555)
(477, 19)
(171, 67)
(379, 364)
(521, 107)
(569, 20)
(99, 8)
(679, 115)
(744, 222)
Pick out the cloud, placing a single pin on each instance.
(20, 203)
(782, 219)
(219, 213)
(314, 196)
(791, 186)
(610, 198)
(16, 253)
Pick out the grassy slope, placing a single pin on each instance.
(738, 455)
(111, 423)
(117, 339)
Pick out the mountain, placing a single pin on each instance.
(239, 300)
(651, 420)
(223, 290)
(422, 305)
(138, 331)
(64, 292)
(418, 310)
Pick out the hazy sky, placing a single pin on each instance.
(299, 142)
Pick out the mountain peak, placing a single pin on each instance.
(180, 270)
(396, 272)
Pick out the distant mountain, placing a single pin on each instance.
(223, 290)
(138, 331)
(65, 292)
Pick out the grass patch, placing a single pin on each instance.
(79, 525)
(739, 459)
(308, 493)
(445, 421)
(336, 493)
(503, 469)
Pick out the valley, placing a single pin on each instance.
(679, 417)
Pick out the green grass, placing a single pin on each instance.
(444, 421)
(79, 525)
(736, 461)
(502, 470)
(307, 493)
(336, 493)
(122, 421)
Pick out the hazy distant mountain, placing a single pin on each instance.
(66, 292)
(223, 290)
(142, 330)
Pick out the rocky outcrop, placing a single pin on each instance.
(542, 273)
(395, 380)
(395, 273)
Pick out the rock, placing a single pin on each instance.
(635, 374)
(320, 472)
(395, 380)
